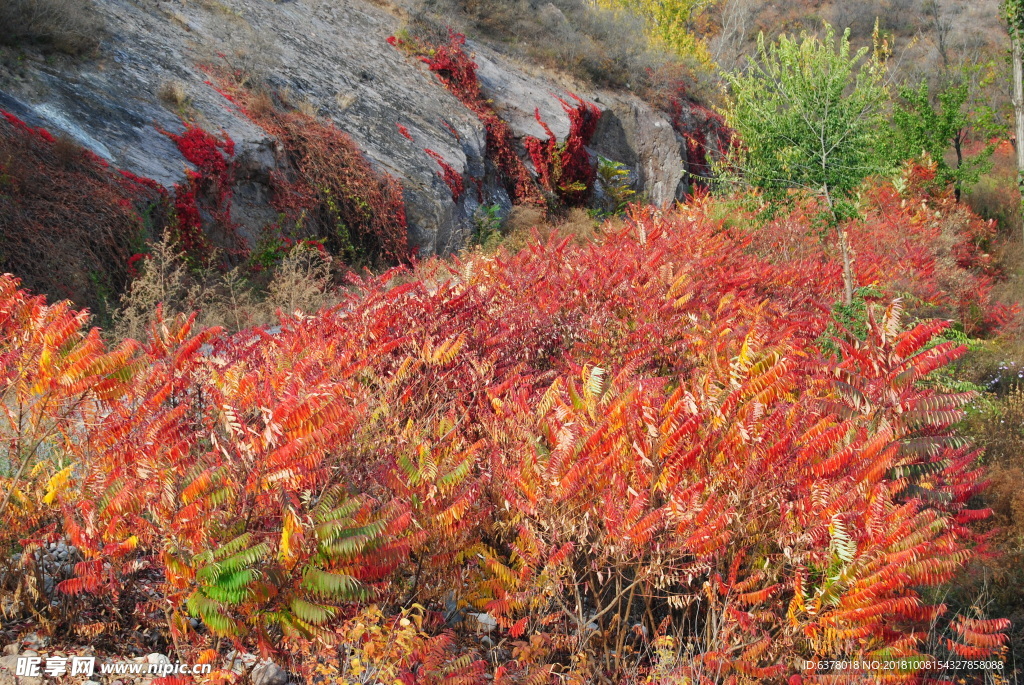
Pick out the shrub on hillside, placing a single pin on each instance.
(70, 26)
(616, 451)
(604, 47)
(56, 375)
(327, 189)
(70, 223)
(913, 241)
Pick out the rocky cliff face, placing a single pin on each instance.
(332, 57)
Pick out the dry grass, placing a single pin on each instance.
(291, 100)
(527, 221)
(175, 97)
(570, 36)
(344, 100)
(180, 19)
(69, 26)
(309, 108)
(300, 283)
(165, 281)
(249, 53)
(220, 8)
(173, 93)
(261, 104)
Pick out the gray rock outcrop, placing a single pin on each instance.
(332, 57)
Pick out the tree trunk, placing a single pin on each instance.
(844, 246)
(1018, 110)
(958, 140)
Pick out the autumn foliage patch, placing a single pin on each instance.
(77, 227)
(918, 243)
(326, 188)
(68, 220)
(635, 459)
(565, 168)
(457, 72)
(206, 191)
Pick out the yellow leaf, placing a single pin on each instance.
(56, 483)
(291, 536)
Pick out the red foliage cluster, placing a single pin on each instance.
(328, 188)
(188, 227)
(67, 220)
(457, 72)
(206, 151)
(451, 129)
(708, 137)
(974, 235)
(21, 126)
(451, 177)
(567, 169)
(141, 181)
(208, 188)
(920, 244)
(622, 451)
(133, 263)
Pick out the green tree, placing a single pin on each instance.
(811, 115)
(931, 125)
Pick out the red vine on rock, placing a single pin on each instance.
(451, 129)
(451, 177)
(708, 138)
(68, 221)
(207, 188)
(328, 187)
(566, 169)
(457, 72)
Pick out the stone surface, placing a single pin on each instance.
(484, 622)
(239, 662)
(268, 673)
(332, 56)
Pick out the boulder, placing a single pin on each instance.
(268, 673)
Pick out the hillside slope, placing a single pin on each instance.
(154, 66)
